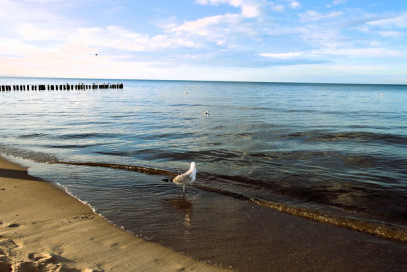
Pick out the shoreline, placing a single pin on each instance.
(44, 228)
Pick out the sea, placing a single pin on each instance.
(286, 172)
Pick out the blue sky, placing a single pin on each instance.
(345, 41)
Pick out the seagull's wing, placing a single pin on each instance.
(189, 175)
(180, 178)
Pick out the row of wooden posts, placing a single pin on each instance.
(68, 87)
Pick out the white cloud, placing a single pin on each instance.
(337, 2)
(321, 37)
(249, 8)
(374, 52)
(391, 34)
(115, 9)
(35, 32)
(202, 26)
(220, 31)
(278, 8)
(390, 27)
(43, 1)
(14, 47)
(122, 39)
(31, 10)
(288, 55)
(399, 21)
(312, 16)
(295, 4)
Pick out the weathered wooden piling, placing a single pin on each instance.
(6, 88)
(60, 87)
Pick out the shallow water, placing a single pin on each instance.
(332, 150)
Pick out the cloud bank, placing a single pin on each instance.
(240, 39)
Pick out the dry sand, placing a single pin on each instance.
(42, 228)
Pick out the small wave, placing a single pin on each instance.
(33, 136)
(375, 228)
(368, 137)
(72, 146)
(80, 200)
(79, 136)
(75, 136)
(301, 110)
(26, 154)
(166, 136)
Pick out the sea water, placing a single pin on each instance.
(330, 151)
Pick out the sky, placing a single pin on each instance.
(332, 41)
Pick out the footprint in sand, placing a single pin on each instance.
(35, 262)
(5, 264)
(77, 217)
(50, 262)
(7, 244)
(83, 217)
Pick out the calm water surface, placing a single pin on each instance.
(336, 150)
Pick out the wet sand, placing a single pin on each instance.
(42, 228)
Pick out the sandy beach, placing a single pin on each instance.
(42, 228)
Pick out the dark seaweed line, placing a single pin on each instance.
(380, 230)
(374, 228)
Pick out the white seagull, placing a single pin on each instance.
(188, 177)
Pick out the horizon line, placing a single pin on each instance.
(202, 80)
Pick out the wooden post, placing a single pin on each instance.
(67, 86)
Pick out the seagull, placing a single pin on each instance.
(188, 177)
(206, 113)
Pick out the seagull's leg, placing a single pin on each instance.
(183, 190)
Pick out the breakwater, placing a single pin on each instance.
(60, 87)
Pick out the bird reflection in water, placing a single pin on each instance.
(185, 206)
